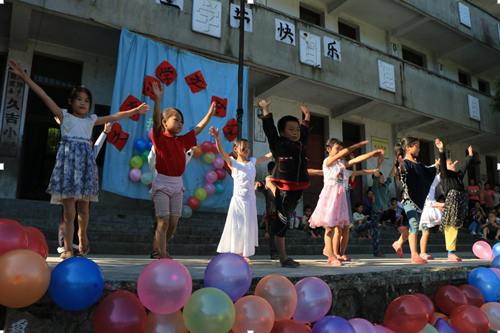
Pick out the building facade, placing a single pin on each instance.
(366, 69)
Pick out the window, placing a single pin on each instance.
(414, 57)
(310, 16)
(464, 78)
(483, 86)
(348, 30)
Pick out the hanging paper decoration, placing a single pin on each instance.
(117, 137)
(220, 106)
(130, 103)
(166, 73)
(148, 86)
(231, 129)
(196, 82)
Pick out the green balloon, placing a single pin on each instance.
(200, 194)
(429, 329)
(209, 157)
(145, 155)
(146, 178)
(136, 162)
(209, 310)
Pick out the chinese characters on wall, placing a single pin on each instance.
(12, 111)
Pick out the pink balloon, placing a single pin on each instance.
(210, 188)
(164, 286)
(135, 174)
(211, 176)
(219, 163)
(482, 250)
(314, 300)
(361, 325)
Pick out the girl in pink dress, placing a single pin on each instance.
(332, 211)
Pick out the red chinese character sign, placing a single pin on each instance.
(130, 103)
(117, 137)
(148, 88)
(220, 106)
(196, 82)
(231, 129)
(166, 73)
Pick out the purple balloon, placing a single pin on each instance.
(442, 326)
(211, 176)
(164, 286)
(219, 163)
(230, 273)
(361, 325)
(135, 174)
(210, 188)
(333, 324)
(314, 300)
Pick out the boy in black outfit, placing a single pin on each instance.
(290, 177)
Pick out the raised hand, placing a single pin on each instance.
(305, 111)
(257, 185)
(439, 145)
(16, 68)
(143, 108)
(157, 91)
(380, 159)
(107, 127)
(380, 153)
(215, 133)
(211, 111)
(58, 121)
(471, 151)
(264, 105)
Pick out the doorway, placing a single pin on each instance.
(41, 133)
(352, 134)
(491, 170)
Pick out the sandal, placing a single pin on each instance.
(398, 249)
(154, 255)
(344, 258)
(84, 249)
(290, 263)
(333, 261)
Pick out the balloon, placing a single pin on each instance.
(186, 212)
(221, 174)
(36, 232)
(209, 188)
(486, 281)
(146, 178)
(469, 319)
(135, 174)
(253, 313)
(362, 326)
(383, 329)
(448, 298)
(214, 148)
(428, 305)
(168, 323)
(164, 286)
(193, 203)
(141, 145)
(482, 250)
(219, 163)
(278, 291)
(209, 310)
(219, 188)
(76, 283)
(290, 326)
(473, 295)
(314, 300)
(209, 157)
(211, 176)
(429, 329)
(12, 236)
(496, 250)
(492, 311)
(24, 278)
(442, 326)
(438, 315)
(120, 312)
(136, 162)
(206, 147)
(200, 194)
(406, 314)
(230, 273)
(332, 324)
(36, 244)
(496, 263)
(144, 156)
(150, 145)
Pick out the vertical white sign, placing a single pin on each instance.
(258, 127)
(284, 32)
(174, 3)
(464, 13)
(207, 17)
(332, 49)
(310, 49)
(395, 49)
(234, 17)
(386, 76)
(474, 111)
(12, 112)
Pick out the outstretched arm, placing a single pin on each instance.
(442, 159)
(468, 161)
(315, 172)
(264, 158)
(141, 109)
(363, 172)
(216, 134)
(15, 67)
(158, 92)
(344, 152)
(201, 126)
(364, 157)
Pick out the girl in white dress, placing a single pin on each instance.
(431, 217)
(241, 234)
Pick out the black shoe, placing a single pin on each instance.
(275, 256)
(380, 254)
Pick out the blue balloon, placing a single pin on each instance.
(333, 324)
(219, 187)
(76, 283)
(141, 145)
(150, 145)
(442, 326)
(230, 273)
(496, 250)
(496, 262)
(486, 281)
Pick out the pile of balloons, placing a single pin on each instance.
(214, 178)
(142, 149)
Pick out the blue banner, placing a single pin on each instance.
(140, 57)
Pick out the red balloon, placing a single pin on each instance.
(12, 236)
(214, 148)
(406, 314)
(221, 174)
(36, 231)
(449, 298)
(36, 244)
(428, 305)
(290, 326)
(473, 295)
(193, 203)
(469, 319)
(120, 312)
(207, 146)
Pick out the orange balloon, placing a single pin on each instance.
(436, 316)
(24, 278)
(290, 326)
(197, 151)
(278, 291)
(253, 313)
(168, 323)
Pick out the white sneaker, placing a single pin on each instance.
(480, 234)
(473, 232)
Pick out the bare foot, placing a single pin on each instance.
(84, 246)
(67, 254)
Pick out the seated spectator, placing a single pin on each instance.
(492, 226)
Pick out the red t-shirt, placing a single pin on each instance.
(475, 192)
(489, 198)
(171, 152)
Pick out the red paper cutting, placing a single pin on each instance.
(130, 103)
(231, 129)
(166, 73)
(196, 82)
(148, 88)
(117, 137)
(220, 106)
